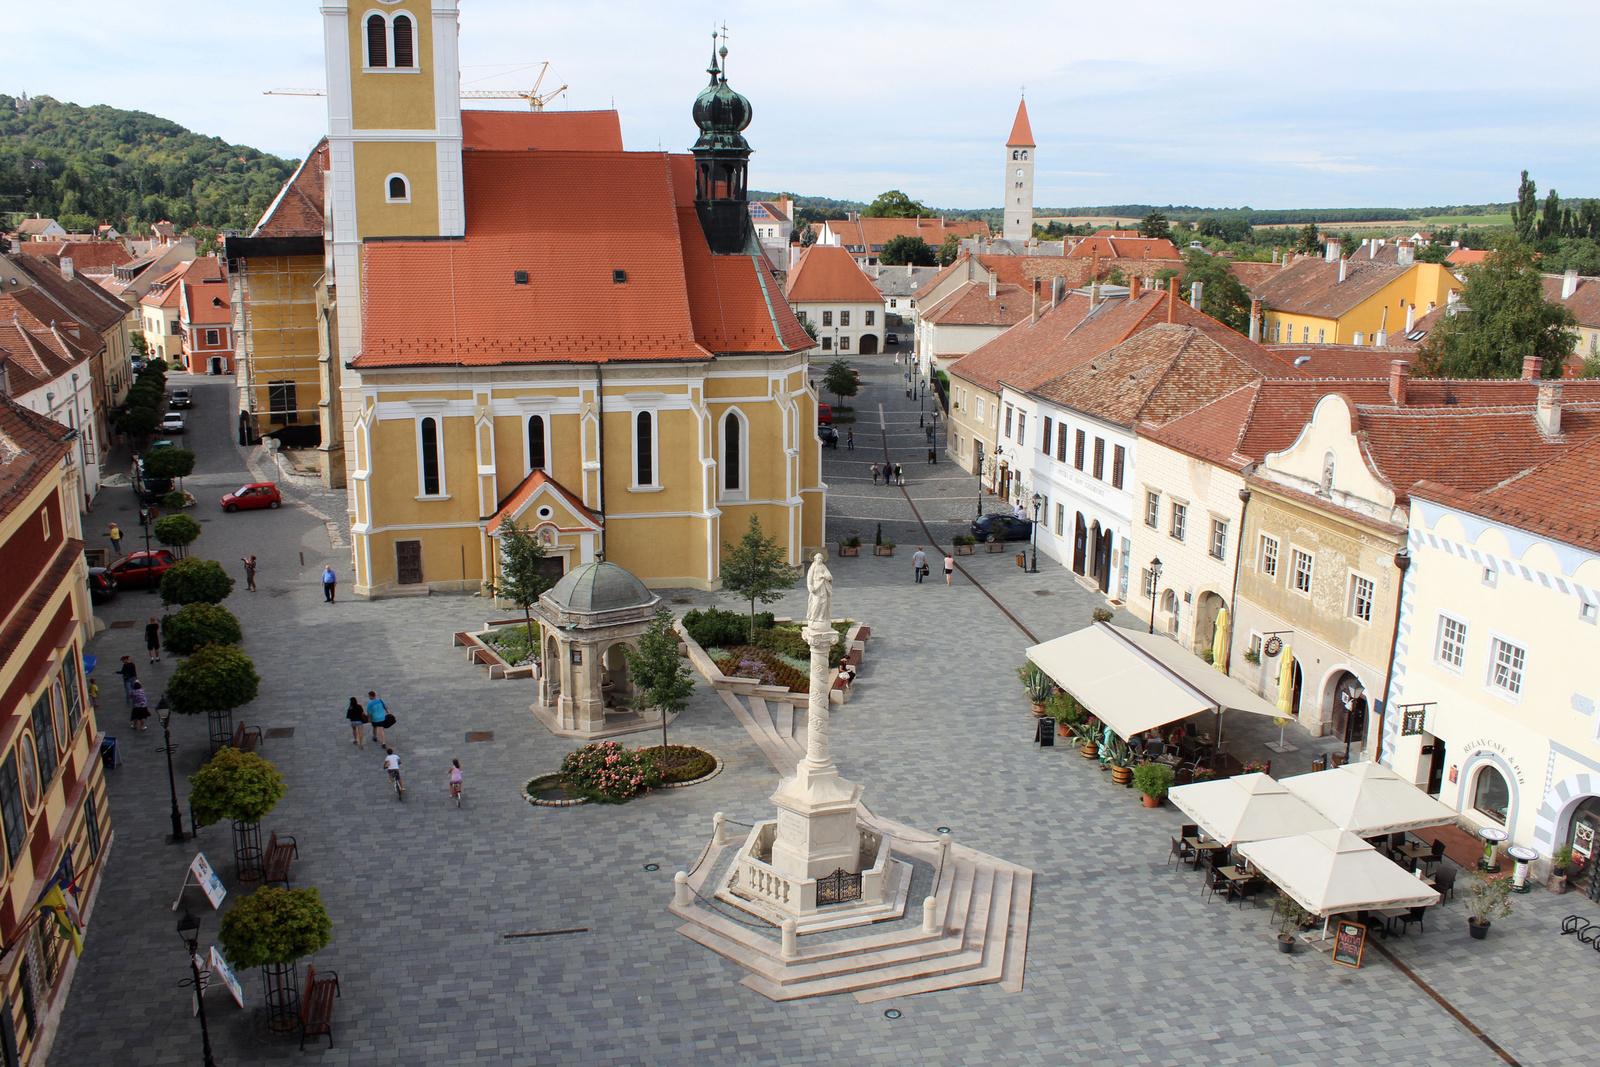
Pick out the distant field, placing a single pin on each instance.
(1402, 224)
(1111, 221)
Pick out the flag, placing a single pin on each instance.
(55, 905)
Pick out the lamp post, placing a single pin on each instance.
(977, 469)
(189, 931)
(1155, 586)
(1033, 534)
(148, 519)
(164, 714)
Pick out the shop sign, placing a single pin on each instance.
(1349, 942)
(1411, 722)
(1500, 750)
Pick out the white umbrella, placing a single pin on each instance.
(1332, 871)
(1246, 807)
(1368, 799)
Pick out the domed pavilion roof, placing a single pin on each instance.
(597, 587)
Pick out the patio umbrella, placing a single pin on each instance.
(1331, 871)
(1219, 643)
(1286, 681)
(1368, 799)
(1246, 807)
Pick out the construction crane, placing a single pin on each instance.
(536, 100)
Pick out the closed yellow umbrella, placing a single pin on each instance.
(1286, 681)
(1219, 643)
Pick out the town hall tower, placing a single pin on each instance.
(1018, 201)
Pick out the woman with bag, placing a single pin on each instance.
(358, 721)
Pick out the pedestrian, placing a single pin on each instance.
(919, 563)
(899, 475)
(391, 763)
(455, 779)
(141, 706)
(378, 716)
(949, 567)
(94, 694)
(116, 538)
(874, 474)
(930, 435)
(130, 674)
(330, 583)
(249, 573)
(358, 720)
(850, 440)
(152, 639)
(931, 454)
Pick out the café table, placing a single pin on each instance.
(1415, 852)
(1200, 845)
(1238, 878)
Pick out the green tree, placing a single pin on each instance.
(808, 326)
(1155, 226)
(660, 676)
(194, 626)
(195, 581)
(233, 785)
(1550, 225)
(275, 926)
(841, 380)
(896, 205)
(168, 463)
(177, 531)
(140, 345)
(949, 250)
(1221, 294)
(808, 237)
(904, 248)
(522, 576)
(138, 422)
(1503, 318)
(1525, 212)
(754, 569)
(213, 678)
(1434, 252)
(1310, 240)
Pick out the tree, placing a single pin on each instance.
(949, 250)
(1221, 295)
(195, 581)
(896, 205)
(1310, 240)
(140, 345)
(522, 576)
(1503, 318)
(808, 237)
(841, 380)
(1525, 212)
(138, 421)
(754, 569)
(1436, 251)
(194, 626)
(904, 249)
(1154, 226)
(661, 677)
(808, 326)
(233, 785)
(168, 463)
(213, 678)
(1551, 225)
(177, 531)
(274, 925)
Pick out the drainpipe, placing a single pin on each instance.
(600, 449)
(1402, 560)
(1238, 559)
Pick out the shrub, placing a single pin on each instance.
(177, 531)
(195, 581)
(168, 463)
(234, 785)
(194, 626)
(213, 678)
(606, 772)
(1153, 779)
(175, 499)
(716, 628)
(763, 665)
(851, 541)
(685, 762)
(1103, 614)
(275, 925)
(1487, 897)
(511, 642)
(963, 539)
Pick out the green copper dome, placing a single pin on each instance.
(597, 587)
(720, 112)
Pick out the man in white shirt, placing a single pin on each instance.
(919, 560)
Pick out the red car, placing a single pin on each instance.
(141, 568)
(258, 495)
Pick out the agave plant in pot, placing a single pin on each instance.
(1120, 755)
(1038, 685)
(1153, 780)
(1088, 736)
(1487, 897)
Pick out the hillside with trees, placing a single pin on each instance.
(86, 165)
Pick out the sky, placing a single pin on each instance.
(1228, 104)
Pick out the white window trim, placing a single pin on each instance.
(387, 199)
(1277, 558)
(388, 37)
(1151, 496)
(1438, 643)
(527, 452)
(1172, 523)
(724, 493)
(1372, 600)
(1488, 679)
(1311, 571)
(438, 419)
(654, 485)
(1212, 549)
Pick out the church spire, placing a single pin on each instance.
(722, 160)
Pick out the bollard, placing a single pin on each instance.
(929, 922)
(718, 828)
(789, 946)
(944, 849)
(680, 890)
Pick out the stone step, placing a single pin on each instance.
(989, 942)
(1016, 948)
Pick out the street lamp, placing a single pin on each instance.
(164, 714)
(189, 931)
(1033, 534)
(147, 518)
(1155, 584)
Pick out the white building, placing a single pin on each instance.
(831, 295)
(1019, 179)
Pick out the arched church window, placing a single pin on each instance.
(1015, 155)
(397, 190)
(404, 53)
(536, 457)
(377, 41)
(429, 434)
(1024, 153)
(644, 449)
(732, 453)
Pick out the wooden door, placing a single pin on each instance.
(408, 562)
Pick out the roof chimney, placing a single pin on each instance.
(1274, 255)
(1569, 284)
(1036, 284)
(1195, 289)
(1255, 320)
(66, 268)
(1343, 266)
(994, 284)
(1406, 253)
(1331, 251)
(1381, 339)
(1372, 249)
(1094, 293)
(1411, 317)
(1172, 295)
(1399, 378)
(1058, 291)
(1548, 409)
(1532, 368)
(910, 270)
(1135, 287)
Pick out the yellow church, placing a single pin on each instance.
(536, 326)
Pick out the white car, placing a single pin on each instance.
(172, 422)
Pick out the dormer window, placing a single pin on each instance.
(397, 190)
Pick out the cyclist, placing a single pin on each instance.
(391, 763)
(455, 781)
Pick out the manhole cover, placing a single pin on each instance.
(281, 731)
(1044, 592)
(480, 735)
(125, 624)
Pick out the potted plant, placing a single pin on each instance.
(880, 546)
(1066, 711)
(1255, 766)
(850, 546)
(994, 546)
(1037, 683)
(961, 544)
(1103, 614)
(1560, 861)
(1153, 780)
(1204, 774)
(1294, 916)
(1205, 654)
(1088, 735)
(1252, 656)
(1487, 897)
(1120, 755)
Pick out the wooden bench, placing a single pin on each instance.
(316, 1004)
(276, 858)
(246, 738)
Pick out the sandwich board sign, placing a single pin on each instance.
(220, 968)
(201, 876)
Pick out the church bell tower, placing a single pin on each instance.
(722, 162)
(1019, 178)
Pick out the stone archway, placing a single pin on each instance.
(1344, 706)
(867, 345)
(1553, 824)
(1206, 607)
(616, 684)
(552, 672)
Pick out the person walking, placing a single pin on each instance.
(116, 538)
(919, 563)
(94, 694)
(378, 716)
(152, 639)
(249, 573)
(330, 583)
(949, 567)
(874, 473)
(850, 440)
(130, 674)
(899, 475)
(141, 706)
(358, 721)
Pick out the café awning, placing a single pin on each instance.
(1369, 799)
(1246, 807)
(1331, 871)
(1134, 682)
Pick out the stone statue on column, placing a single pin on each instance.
(819, 584)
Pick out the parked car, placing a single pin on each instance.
(255, 495)
(172, 422)
(141, 568)
(993, 528)
(825, 414)
(181, 398)
(152, 490)
(102, 585)
(891, 338)
(828, 435)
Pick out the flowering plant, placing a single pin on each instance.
(1255, 766)
(608, 773)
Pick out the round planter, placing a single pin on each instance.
(1478, 932)
(1286, 944)
(1149, 801)
(543, 782)
(1089, 751)
(1121, 775)
(1038, 709)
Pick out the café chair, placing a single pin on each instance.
(1319, 764)
(1182, 775)
(1396, 841)
(1216, 882)
(1189, 829)
(1412, 915)
(1435, 856)
(1180, 851)
(1445, 882)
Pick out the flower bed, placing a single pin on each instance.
(762, 665)
(686, 764)
(608, 773)
(511, 644)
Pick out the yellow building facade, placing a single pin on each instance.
(1350, 302)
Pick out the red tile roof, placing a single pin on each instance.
(1463, 257)
(551, 131)
(33, 353)
(1311, 286)
(1029, 352)
(1124, 248)
(1554, 499)
(166, 292)
(971, 305)
(297, 211)
(870, 235)
(1584, 301)
(1021, 132)
(1015, 270)
(207, 302)
(829, 273)
(31, 446)
(79, 299)
(90, 257)
(518, 499)
(1253, 275)
(1345, 361)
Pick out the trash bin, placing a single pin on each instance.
(109, 754)
(1022, 559)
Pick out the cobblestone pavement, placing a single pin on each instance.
(1126, 963)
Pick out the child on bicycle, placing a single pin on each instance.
(391, 763)
(455, 780)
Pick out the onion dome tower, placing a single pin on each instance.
(722, 162)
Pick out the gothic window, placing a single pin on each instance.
(732, 453)
(536, 455)
(403, 53)
(428, 443)
(644, 453)
(377, 41)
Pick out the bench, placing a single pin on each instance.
(316, 1004)
(246, 738)
(277, 856)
